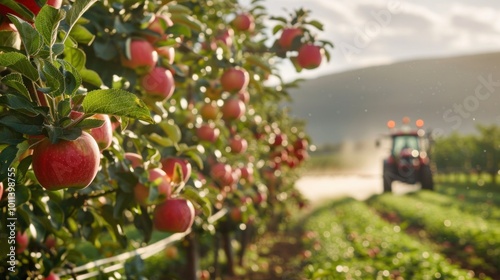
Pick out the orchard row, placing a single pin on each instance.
(120, 114)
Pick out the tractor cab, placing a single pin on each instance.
(408, 161)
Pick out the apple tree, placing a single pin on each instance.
(119, 116)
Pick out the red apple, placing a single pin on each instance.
(174, 215)
(52, 276)
(50, 242)
(244, 96)
(135, 159)
(302, 155)
(309, 56)
(301, 144)
(31, 5)
(1, 190)
(204, 275)
(140, 56)
(159, 83)
(22, 240)
(159, 25)
(287, 37)
(260, 197)
(208, 132)
(226, 37)
(236, 214)
(167, 53)
(171, 252)
(238, 145)
(66, 164)
(209, 111)
(247, 173)
(244, 22)
(221, 173)
(103, 135)
(233, 109)
(279, 140)
(170, 164)
(234, 79)
(160, 180)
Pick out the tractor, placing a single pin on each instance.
(408, 161)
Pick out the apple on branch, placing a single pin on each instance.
(66, 164)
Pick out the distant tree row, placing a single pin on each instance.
(473, 153)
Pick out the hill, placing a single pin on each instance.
(448, 93)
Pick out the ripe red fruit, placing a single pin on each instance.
(208, 132)
(135, 159)
(170, 164)
(244, 22)
(1, 190)
(141, 56)
(159, 83)
(103, 135)
(159, 25)
(247, 173)
(226, 37)
(244, 96)
(234, 79)
(221, 173)
(279, 140)
(300, 144)
(309, 56)
(287, 37)
(22, 240)
(167, 53)
(174, 215)
(238, 145)
(66, 164)
(31, 5)
(50, 242)
(52, 276)
(233, 109)
(160, 180)
(209, 111)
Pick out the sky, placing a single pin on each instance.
(374, 32)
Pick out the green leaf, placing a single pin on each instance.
(56, 214)
(172, 130)
(76, 57)
(91, 77)
(7, 156)
(23, 124)
(75, 13)
(23, 195)
(178, 30)
(9, 136)
(47, 22)
(277, 28)
(144, 224)
(116, 102)
(82, 35)
(15, 82)
(192, 195)
(30, 37)
(196, 158)
(90, 123)
(64, 108)
(19, 103)
(54, 78)
(18, 8)
(316, 24)
(19, 63)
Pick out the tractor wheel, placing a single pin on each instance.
(387, 180)
(426, 178)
